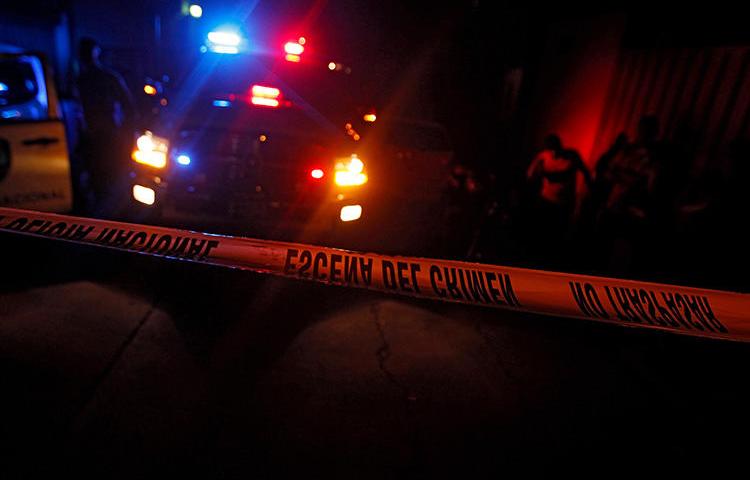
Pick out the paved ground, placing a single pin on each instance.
(129, 366)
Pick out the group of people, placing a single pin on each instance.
(632, 213)
(616, 203)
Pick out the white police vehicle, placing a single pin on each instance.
(34, 160)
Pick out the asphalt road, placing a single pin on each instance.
(127, 366)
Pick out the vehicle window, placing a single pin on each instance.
(23, 95)
(222, 111)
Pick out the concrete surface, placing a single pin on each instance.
(124, 366)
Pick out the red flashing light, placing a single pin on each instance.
(265, 96)
(317, 173)
(293, 48)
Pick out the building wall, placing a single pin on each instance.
(701, 97)
(577, 67)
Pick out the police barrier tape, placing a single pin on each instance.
(706, 313)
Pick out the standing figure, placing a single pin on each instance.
(109, 117)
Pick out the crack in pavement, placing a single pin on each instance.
(384, 351)
(408, 396)
(112, 363)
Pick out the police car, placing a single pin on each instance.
(34, 161)
(243, 149)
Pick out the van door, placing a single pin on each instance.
(34, 162)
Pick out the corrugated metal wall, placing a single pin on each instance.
(700, 95)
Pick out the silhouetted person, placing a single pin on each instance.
(554, 174)
(462, 207)
(109, 115)
(626, 184)
(557, 169)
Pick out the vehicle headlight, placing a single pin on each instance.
(350, 172)
(151, 150)
(144, 194)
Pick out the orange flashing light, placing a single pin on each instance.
(264, 102)
(265, 92)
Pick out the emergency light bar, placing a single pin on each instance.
(222, 41)
(265, 96)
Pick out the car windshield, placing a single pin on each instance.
(236, 112)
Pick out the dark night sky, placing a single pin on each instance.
(437, 60)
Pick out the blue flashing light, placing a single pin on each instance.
(222, 37)
(224, 49)
(183, 159)
(3, 87)
(222, 103)
(224, 41)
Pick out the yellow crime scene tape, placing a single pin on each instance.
(692, 311)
